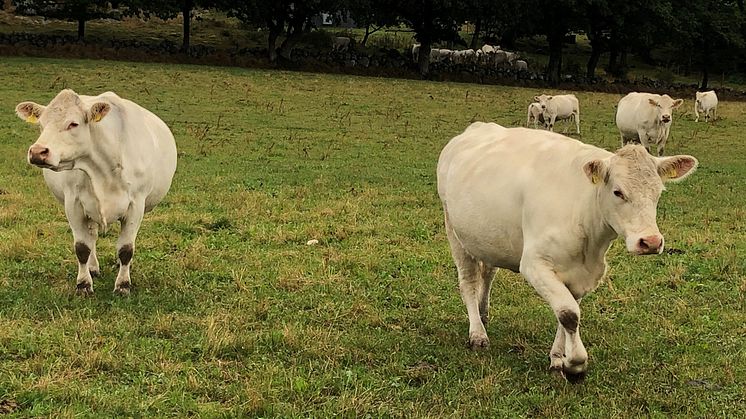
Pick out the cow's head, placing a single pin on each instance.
(66, 125)
(543, 101)
(664, 107)
(629, 185)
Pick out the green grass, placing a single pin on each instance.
(233, 315)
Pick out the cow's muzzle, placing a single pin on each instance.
(650, 245)
(38, 155)
(666, 119)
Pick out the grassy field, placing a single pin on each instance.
(232, 314)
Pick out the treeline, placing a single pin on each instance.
(701, 35)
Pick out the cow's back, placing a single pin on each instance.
(499, 184)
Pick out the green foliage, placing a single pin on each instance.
(233, 315)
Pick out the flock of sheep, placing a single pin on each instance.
(641, 117)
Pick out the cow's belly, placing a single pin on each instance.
(491, 232)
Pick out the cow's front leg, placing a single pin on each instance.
(85, 233)
(487, 273)
(644, 139)
(126, 247)
(551, 122)
(566, 309)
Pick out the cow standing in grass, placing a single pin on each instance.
(646, 118)
(549, 207)
(707, 103)
(106, 159)
(559, 107)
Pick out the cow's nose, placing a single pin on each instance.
(650, 245)
(38, 154)
(666, 118)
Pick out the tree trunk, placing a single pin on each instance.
(81, 28)
(423, 61)
(475, 36)
(554, 67)
(186, 11)
(597, 48)
(367, 34)
(295, 29)
(274, 33)
(705, 66)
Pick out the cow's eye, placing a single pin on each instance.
(72, 125)
(619, 194)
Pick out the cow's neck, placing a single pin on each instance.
(598, 231)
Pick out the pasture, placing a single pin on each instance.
(232, 314)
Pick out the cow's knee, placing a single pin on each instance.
(82, 251)
(125, 253)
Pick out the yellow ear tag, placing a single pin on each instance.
(32, 119)
(671, 173)
(97, 118)
(595, 179)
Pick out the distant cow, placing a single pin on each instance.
(535, 115)
(549, 207)
(521, 65)
(341, 43)
(706, 102)
(106, 159)
(559, 107)
(647, 118)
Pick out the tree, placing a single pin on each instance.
(431, 20)
(289, 17)
(555, 18)
(169, 9)
(373, 15)
(79, 11)
(710, 31)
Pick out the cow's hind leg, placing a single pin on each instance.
(486, 273)
(126, 247)
(84, 242)
(470, 285)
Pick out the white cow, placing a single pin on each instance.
(105, 159)
(520, 65)
(341, 43)
(535, 115)
(559, 107)
(549, 207)
(646, 117)
(706, 102)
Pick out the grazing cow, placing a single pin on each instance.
(646, 117)
(559, 107)
(341, 43)
(521, 65)
(549, 207)
(535, 115)
(706, 102)
(105, 159)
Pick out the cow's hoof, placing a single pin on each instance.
(123, 289)
(574, 378)
(84, 289)
(478, 342)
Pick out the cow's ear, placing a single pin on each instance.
(98, 111)
(536, 98)
(652, 102)
(595, 170)
(549, 97)
(29, 111)
(677, 103)
(676, 167)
